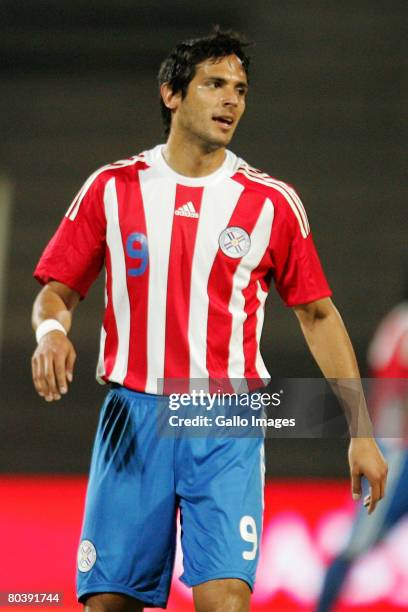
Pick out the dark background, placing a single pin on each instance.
(78, 90)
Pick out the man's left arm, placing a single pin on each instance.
(330, 345)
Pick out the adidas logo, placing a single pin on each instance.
(187, 210)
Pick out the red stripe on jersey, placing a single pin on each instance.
(109, 323)
(134, 238)
(184, 232)
(250, 341)
(220, 283)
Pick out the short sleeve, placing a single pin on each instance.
(75, 254)
(297, 271)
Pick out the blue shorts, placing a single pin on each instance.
(139, 480)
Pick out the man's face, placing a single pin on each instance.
(214, 103)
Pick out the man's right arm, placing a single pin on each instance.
(53, 359)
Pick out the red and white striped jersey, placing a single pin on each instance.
(188, 265)
(388, 350)
(388, 363)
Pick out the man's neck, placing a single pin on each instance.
(190, 159)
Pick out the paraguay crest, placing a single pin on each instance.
(86, 556)
(234, 242)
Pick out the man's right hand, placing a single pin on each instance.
(53, 365)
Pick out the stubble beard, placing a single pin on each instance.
(210, 143)
(203, 137)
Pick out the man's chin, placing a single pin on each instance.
(218, 141)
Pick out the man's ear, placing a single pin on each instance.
(170, 99)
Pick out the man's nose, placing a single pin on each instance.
(230, 97)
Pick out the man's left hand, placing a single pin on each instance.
(366, 459)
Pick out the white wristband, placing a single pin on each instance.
(47, 326)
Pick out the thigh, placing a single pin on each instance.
(226, 595)
(220, 483)
(130, 493)
(112, 602)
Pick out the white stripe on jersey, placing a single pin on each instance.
(158, 195)
(260, 314)
(300, 204)
(262, 469)
(120, 296)
(76, 203)
(259, 243)
(100, 367)
(289, 195)
(217, 206)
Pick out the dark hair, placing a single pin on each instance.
(179, 68)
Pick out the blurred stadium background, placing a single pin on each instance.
(325, 113)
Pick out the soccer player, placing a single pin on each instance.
(388, 362)
(191, 237)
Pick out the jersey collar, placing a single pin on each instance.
(155, 157)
